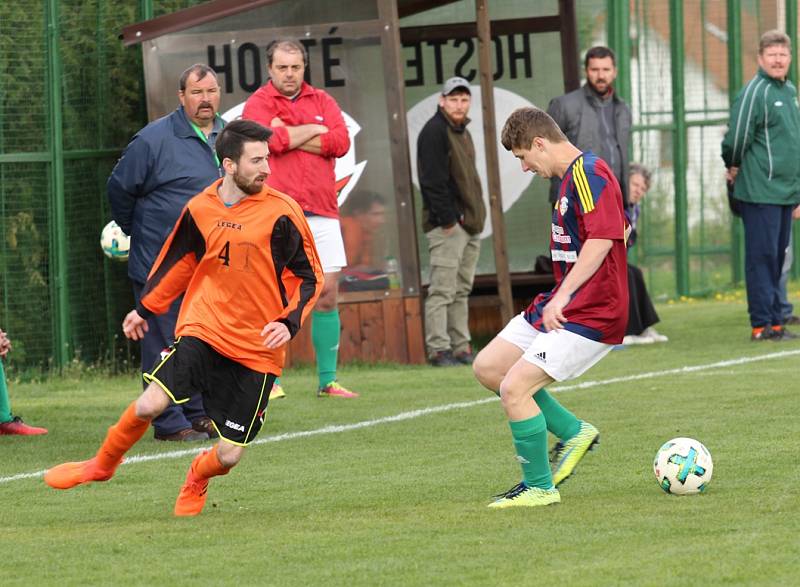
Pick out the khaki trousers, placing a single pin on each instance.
(453, 261)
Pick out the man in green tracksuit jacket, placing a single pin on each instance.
(761, 150)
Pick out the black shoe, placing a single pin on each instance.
(204, 424)
(443, 359)
(185, 435)
(464, 357)
(780, 333)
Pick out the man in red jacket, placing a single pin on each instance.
(309, 134)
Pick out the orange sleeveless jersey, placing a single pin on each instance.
(241, 268)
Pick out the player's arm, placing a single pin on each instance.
(170, 276)
(128, 181)
(294, 253)
(592, 254)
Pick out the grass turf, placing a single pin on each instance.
(404, 502)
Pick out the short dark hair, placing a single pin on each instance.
(599, 52)
(525, 124)
(286, 44)
(230, 142)
(639, 169)
(201, 70)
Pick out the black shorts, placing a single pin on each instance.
(235, 397)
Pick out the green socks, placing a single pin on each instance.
(560, 421)
(5, 405)
(325, 327)
(530, 441)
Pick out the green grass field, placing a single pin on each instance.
(402, 501)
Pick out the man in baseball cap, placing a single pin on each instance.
(455, 83)
(453, 215)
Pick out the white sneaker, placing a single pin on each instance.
(654, 334)
(637, 339)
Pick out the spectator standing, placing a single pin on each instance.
(641, 312)
(167, 163)
(761, 152)
(309, 134)
(594, 118)
(9, 423)
(453, 215)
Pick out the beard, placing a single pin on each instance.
(248, 187)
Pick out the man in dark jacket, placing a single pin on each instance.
(167, 163)
(453, 214)
(595, 119)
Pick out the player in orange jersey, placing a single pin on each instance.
(245, 258)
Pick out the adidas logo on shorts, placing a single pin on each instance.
(541, 356)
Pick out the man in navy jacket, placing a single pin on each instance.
(166, 163)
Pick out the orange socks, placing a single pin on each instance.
(207, 465)
(121, 437)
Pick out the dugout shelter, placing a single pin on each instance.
(386, 78)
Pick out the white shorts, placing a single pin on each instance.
(559, 353)
(328, 238)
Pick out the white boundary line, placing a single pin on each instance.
(435, 410)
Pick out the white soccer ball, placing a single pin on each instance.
(683, 466)
(114, 242)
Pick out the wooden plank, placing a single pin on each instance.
(396, 349)
(414, 333)
(485, 49)
(301, 349)
(409, 7)
(394, 80)
(372, 332)
(569, 45)
(350, 342)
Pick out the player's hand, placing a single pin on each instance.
(5, 344)
(275, 334)
(731, 174)
(322, 128)
(553, 314)
(796, 213)
(276, 122)
(134, 326)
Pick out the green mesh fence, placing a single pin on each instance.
(102, 105)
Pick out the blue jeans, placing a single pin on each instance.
(767, 228)
(160, 335)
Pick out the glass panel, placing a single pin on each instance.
(348, 64)
(527, 71)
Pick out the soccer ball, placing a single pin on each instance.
(683, 466)
(114, 242)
